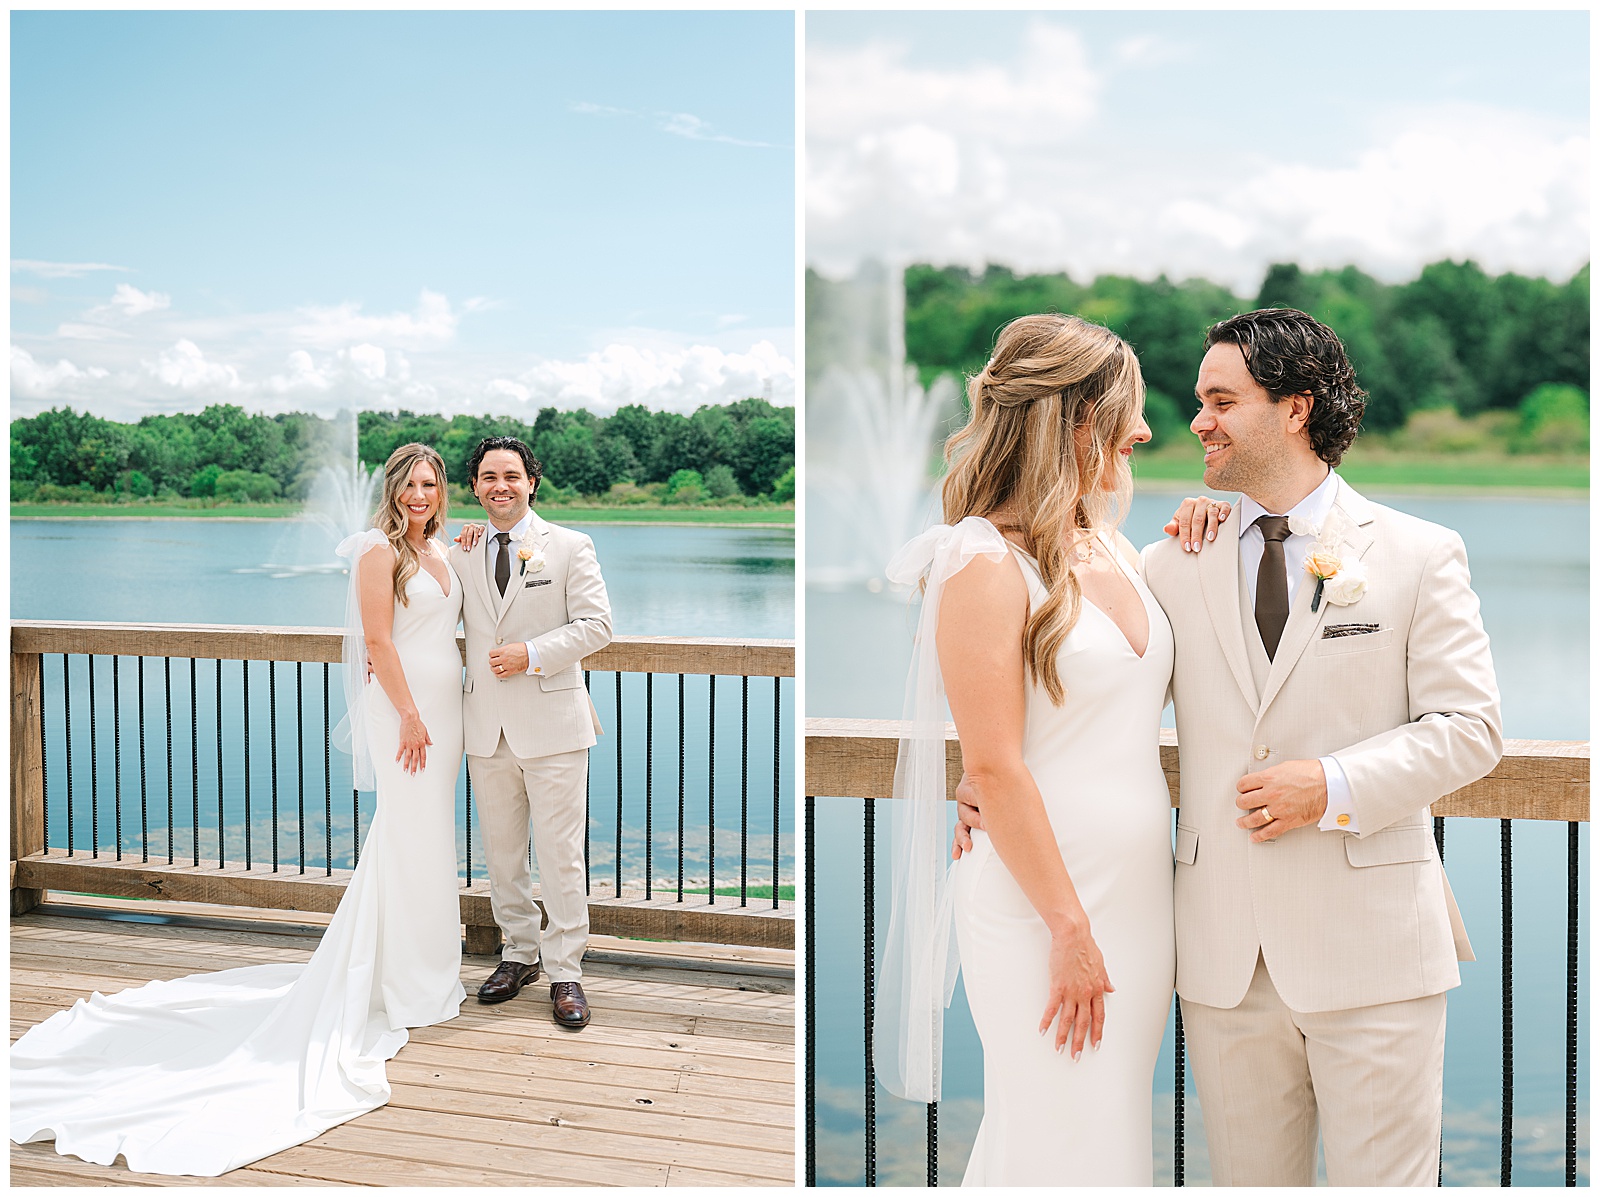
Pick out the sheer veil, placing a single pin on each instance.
(917, 972)
(351, 733)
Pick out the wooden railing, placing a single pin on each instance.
(1535, 779)
(37, 867)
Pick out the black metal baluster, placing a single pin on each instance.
(194, 756)
(649, 761)
(681, 742)
(94, 774)
(744, 790)
(220, 824)
(586, 676)
(1572, 1004)
(810, 902)
(300, 755)
(44, 755)
(933, 1145)
(244, 685)
(272, 717)
(711, 794)
(355, 817)
(144, 794)
(777, 776)
(469, 827)
(1177, 1092)
(868, 968)
(1438, 839)
(327, 781)
(618, 861)
(116, 747)
(66, 713)
(1506, 1095)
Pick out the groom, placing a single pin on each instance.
(1331, 680)
(534, 605)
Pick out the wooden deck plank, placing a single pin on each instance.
(686, 1076)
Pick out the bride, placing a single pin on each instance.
(1056, 661)
(208, 1073)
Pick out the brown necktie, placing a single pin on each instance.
(1272, 583)
(502, 564)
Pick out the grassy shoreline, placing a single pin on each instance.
(1396, 473)
(713, 517)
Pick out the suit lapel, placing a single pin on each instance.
(519, 568)
(1347, 516)
(472, 573)
(1219, 584)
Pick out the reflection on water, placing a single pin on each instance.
(1530, 569)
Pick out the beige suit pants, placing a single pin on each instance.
(1373, 1077)
(545, 792)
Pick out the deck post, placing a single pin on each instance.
(482, 941)
(27, 773)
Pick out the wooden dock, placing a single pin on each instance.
(686, 1076)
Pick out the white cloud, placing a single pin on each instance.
(130, 301)
(431, 324)
(185, 367)
(1020, 163)
(679, 124)
(675, 379)
(89, 332)
(31, 379)
(59, 269)
(367, 360)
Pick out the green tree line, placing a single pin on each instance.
(1454, 339)
(225, 453)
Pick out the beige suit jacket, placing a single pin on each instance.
(1410, 711)
(564, 611)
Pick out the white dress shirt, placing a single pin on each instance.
(518, 531)
(1313, 509)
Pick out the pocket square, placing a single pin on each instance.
(1334, 630)
(536, 582)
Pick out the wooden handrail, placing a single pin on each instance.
(1535, 779)
(625, 654)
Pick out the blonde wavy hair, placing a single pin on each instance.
(391, 518)
(1038, 458)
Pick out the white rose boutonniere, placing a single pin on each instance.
(1341, 582)
(528, 552)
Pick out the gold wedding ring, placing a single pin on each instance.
(1266, 816)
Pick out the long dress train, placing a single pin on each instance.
(1049, 1119)
(207, 1073)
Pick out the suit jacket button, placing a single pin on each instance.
(499, 639)
(1261, 752)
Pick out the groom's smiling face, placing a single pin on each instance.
(502, 486)
(1251, 443)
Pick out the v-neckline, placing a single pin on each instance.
(444, 587)
(1116, 560)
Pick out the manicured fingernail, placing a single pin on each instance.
(1078, 1055)
(1211, 535)
(1186, 546)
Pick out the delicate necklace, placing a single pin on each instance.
(1084, 550)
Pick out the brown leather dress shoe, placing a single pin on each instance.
(570, 1007)
(507, 981)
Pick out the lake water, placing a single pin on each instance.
(677, 581)
(1530, 568)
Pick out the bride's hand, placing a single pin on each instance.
(414, 741)
(1197, 521)
(1078, 985)
(469, 536)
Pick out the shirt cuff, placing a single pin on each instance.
(1341, 812)
(533, 657)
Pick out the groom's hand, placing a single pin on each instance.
(508, 660)
(968, 817)
(1279, 799)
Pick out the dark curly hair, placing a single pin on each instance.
(511, 444)
(1289, 353)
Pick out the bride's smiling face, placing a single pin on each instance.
(1138, 436)
(419, 498)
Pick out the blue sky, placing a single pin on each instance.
(1199, 143)
(447, 212)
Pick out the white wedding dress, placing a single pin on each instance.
(1048, 1119)
(207, 1073)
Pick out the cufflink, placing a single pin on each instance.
(1343, 820)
